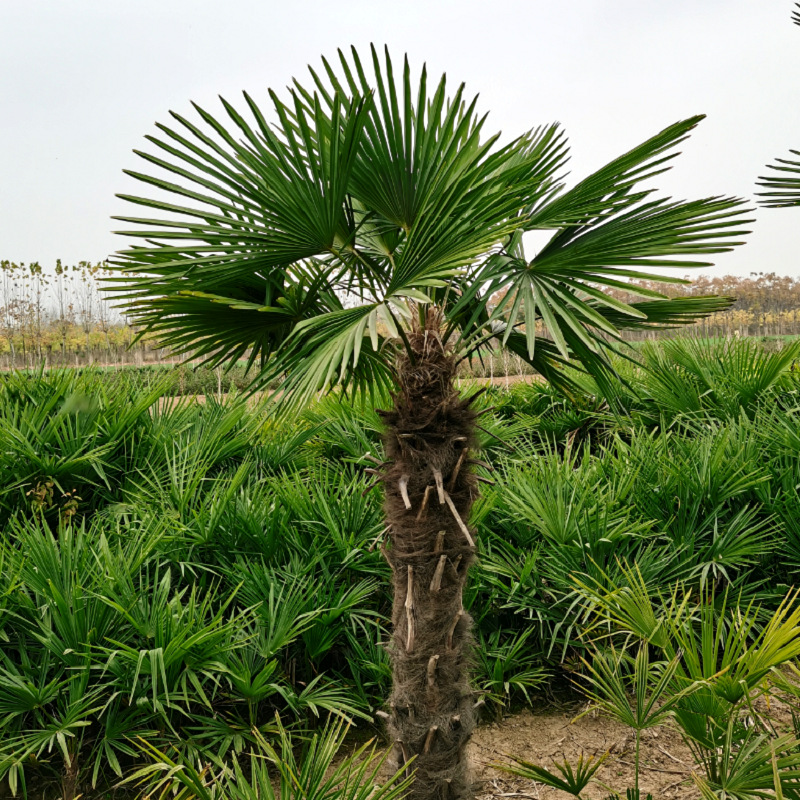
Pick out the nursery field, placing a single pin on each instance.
(183, 584)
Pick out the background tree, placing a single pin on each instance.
(31, 288)
(87, 300)
(356, 242)
(65, 309)
(103, 315)
(10, 304)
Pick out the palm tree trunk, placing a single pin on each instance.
(429, 491)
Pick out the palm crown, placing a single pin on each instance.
(309, 243)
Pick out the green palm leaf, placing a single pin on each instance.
(610, 189)
(572, 781)
(784, 188)
(280, 194)
(303, 243)
(660, 314)
(331, 349)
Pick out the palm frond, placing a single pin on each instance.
(562, 285)
(607, 232)
(425, 169)
(279, 194)
(572, 781)
(274, 199)
(784, 188)
(659, 314)
(610, 189)
(293, 243)
(329, 349)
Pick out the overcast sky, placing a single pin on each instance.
(84, 80)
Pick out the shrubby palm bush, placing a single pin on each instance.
(175, 591)
(312, 774)
(66, 440)
(726, 379)
(230, 567)
(184, 607)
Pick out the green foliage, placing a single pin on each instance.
(783, 187)
(716, 659)
(312, 774)
(218, 566)
(572, 781)
(390, 192)
(682, 377)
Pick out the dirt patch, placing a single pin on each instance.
(541, 737)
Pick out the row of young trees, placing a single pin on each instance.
(61, 316)
(766, 304)
(45, 311)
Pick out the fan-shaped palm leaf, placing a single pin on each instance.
(784, 187)
(374, 188)
(361, 241)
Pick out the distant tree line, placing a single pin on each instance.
(61, 316)
(766, 304)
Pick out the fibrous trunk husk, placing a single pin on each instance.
(429, 492)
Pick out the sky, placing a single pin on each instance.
(83, 81)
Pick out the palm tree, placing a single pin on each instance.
(783, 188)
(356, 242)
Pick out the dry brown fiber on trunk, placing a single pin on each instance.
(429, 490)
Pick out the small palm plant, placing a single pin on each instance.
(572, 781)
(312, 774)
(644, 701)
(362, 239)
(718, 660)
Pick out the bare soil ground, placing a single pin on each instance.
(553, 732)
(542, 736)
